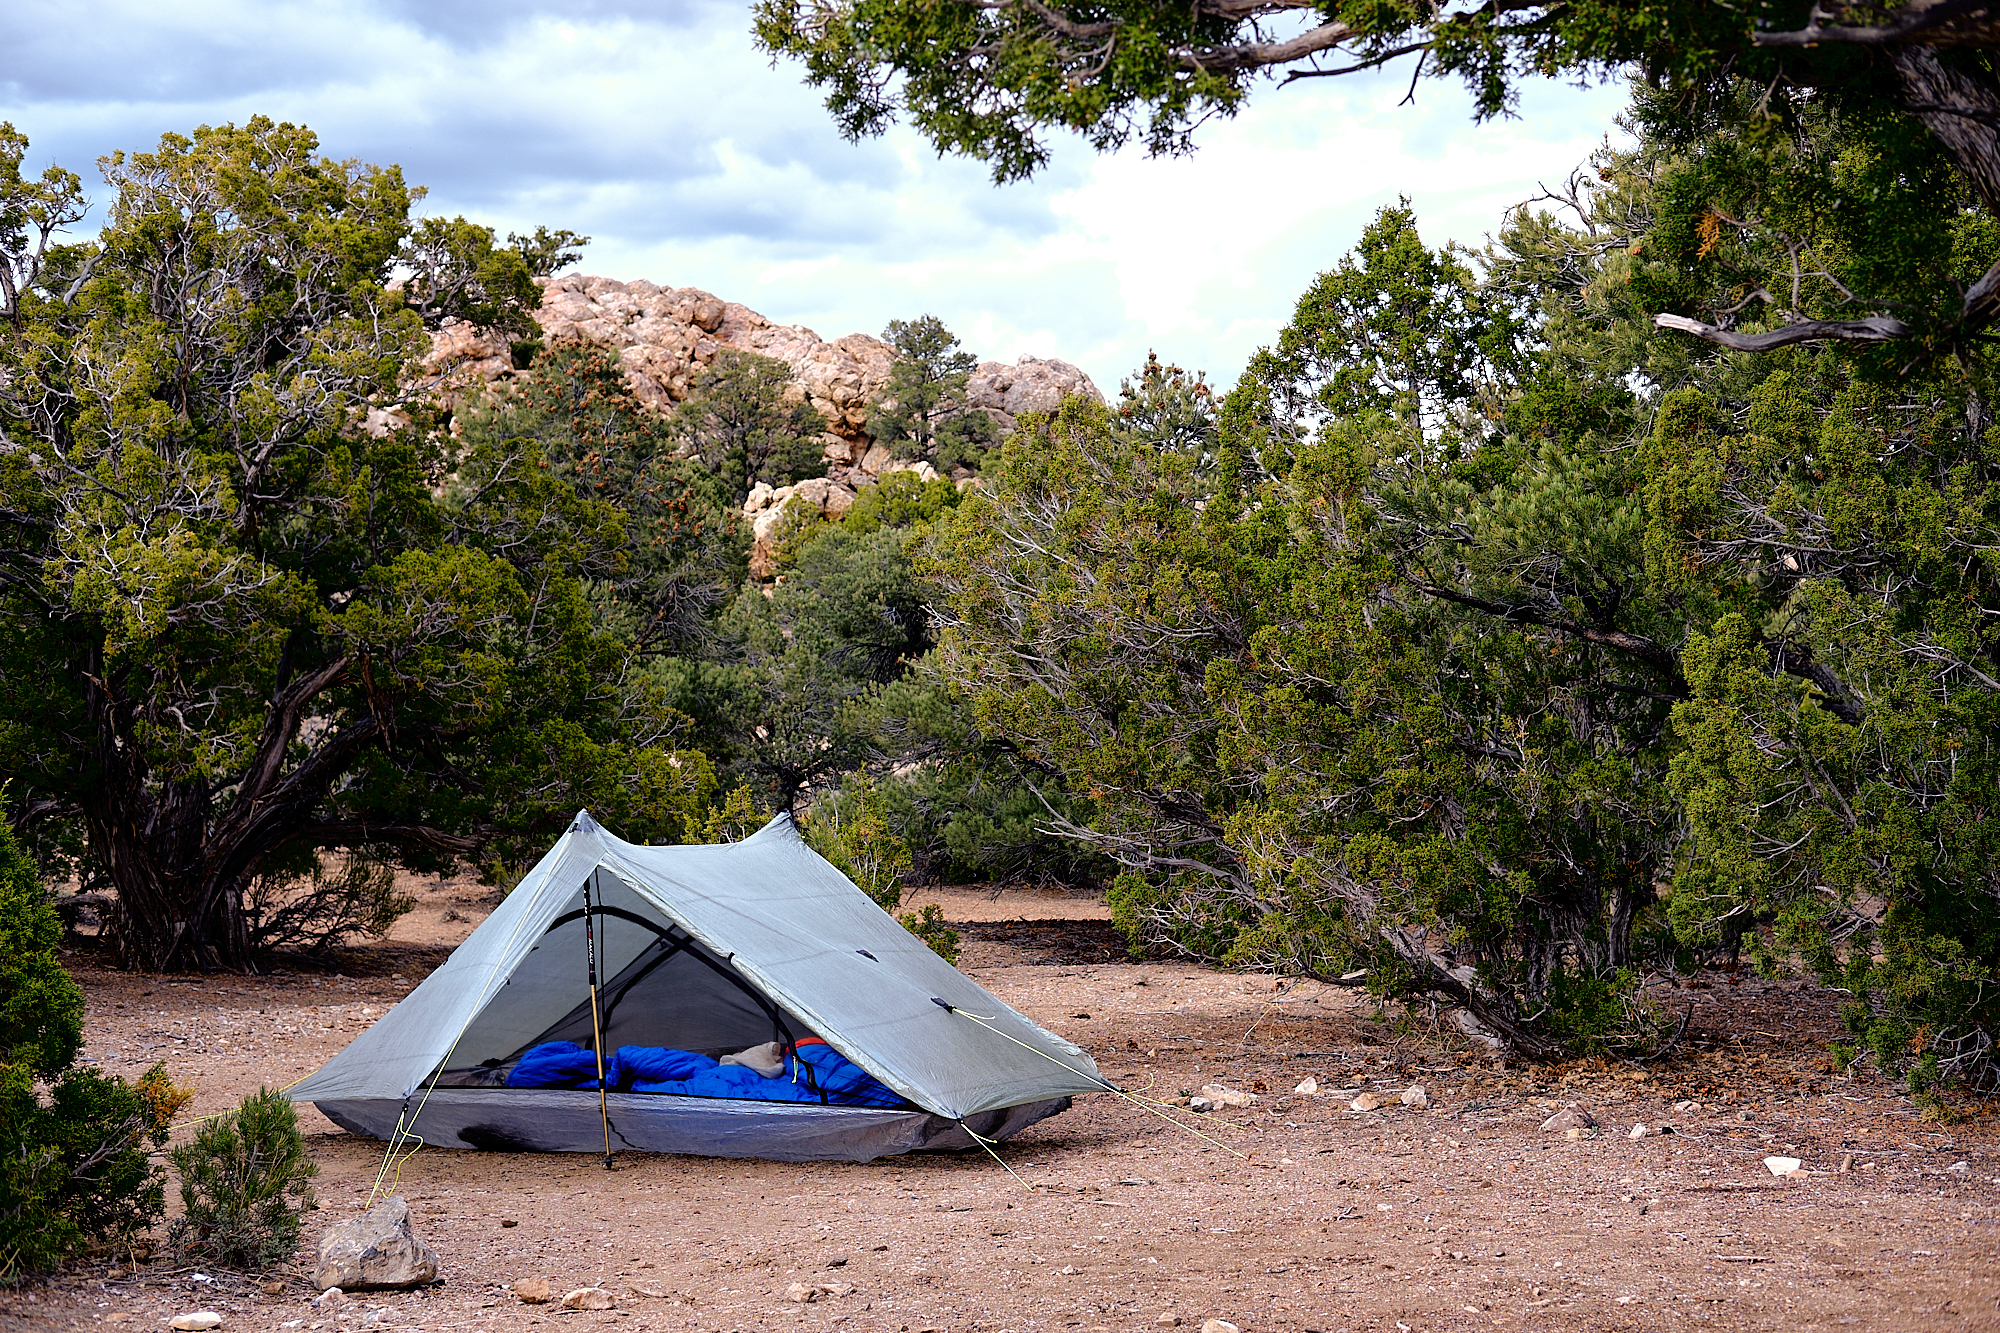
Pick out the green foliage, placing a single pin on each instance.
(1305, 738)
(1839, 768)
(929, 926)
(1394, 330)
(735, 819)
(745, 421)
(851, 830)
(685, 549)
(41, 1007)
(74, 1168)
(991, 82)
(455, 271)
(218, 595)
(922, 411)
(245, 1184)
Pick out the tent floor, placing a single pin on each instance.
(551, 1120)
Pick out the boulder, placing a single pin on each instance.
(375, 1251)
(1031, 384)
(766, 506)
(665, 337)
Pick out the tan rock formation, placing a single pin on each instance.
(665, 336)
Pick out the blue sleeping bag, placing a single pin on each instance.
(557, 1064)
(812, 1068)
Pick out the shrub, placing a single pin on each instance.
(74, 1169)
(929, 926)
(245, 1182)
(851, 829)
(312, 906)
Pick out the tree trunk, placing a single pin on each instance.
(151, 841)
(1960, 111)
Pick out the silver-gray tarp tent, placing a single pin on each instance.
(706, 949)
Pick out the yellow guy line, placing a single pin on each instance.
(397, 1136)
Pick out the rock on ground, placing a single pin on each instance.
(588, 1298)
(1570, 1117)
(375, 1251)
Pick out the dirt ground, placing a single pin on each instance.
(1296, 1213)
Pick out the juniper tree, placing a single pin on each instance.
(235, 628)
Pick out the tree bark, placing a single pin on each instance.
(180, 868)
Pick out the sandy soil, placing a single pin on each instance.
(1295, 1213)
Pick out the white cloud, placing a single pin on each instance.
(662, 132)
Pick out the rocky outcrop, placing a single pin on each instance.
(665, 336)
(1031, 384)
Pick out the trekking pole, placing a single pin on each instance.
(596, 1022)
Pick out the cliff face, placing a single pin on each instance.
(666, 335)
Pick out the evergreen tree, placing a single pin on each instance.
(745, 421)
(236, 630)
(922, 411)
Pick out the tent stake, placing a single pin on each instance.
(596, 1024)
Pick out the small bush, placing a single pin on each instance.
(312, 906)
(851, 829)
(245, 1182)
(735, 819)
(929, 926)
(74, 1169)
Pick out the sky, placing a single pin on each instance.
(659, 130)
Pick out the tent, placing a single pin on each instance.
(704, 949)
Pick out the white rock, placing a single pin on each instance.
(1414, 1095)
(1308, 1088)
(198, 1320)
(376, 1250)
(1638, 1132)
(1960, 1168)
(329, 1299)
(588, 1298)
(1226, 1096)
(1200, 1105)
(1218, 1326)
(1782, 1166)
(800, 1292)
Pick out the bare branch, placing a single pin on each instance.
(1933, 23)
(1874, 329)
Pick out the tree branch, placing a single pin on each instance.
(1934, 24)
(1874, 329)
(1653, 654)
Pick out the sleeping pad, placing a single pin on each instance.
(811, 1068)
